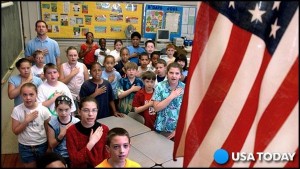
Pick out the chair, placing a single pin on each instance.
(137, 117)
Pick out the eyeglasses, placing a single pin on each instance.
(88, 110)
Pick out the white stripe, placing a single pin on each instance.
(269, 84)
(206, 67)
(286, 140)
(233, 103)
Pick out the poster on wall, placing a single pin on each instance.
(105, 19)
(173, 18)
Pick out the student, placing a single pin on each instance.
(118, 146)
(170, 50)
(101, 52)
(161, 67)
(38, 68)
(87, 50)
(86, 139)
(167, 99)
(153, 60)
(144, 62)
(124, 52)
(127, 88)
(118, 44)
(135, 49)
(142, 102)
(52, 88)
(29, 123)
(149, 47)
(59, 125)
(73, 74)
(44, 43)
(182, 61)
(51, 160)
(101, 90)
(15, 82)
(112, 76)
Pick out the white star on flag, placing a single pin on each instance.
(256, 14)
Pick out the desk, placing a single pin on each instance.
(132, 126)
(140, 158)
(174, 164)
(155, 146)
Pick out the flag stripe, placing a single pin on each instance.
(295, 163)
(202, 18)
(285, 132)
(219, 85)
(235, 140)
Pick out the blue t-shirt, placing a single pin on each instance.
(138, 50)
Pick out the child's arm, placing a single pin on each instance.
(13, 91)
(143, 107)
(133, 88)
(55, 140)
(159, 105)
(114, 110)
(85, 73)
(18, 126)
(47, 103)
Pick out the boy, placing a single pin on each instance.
(37, 68)
(153, 60)
(127, 88)
(52, 88)
(118, 146)
(142, 102)
(170, 50)
(135, 49)
(167, 99)
(149, 47)
(101, 52)
(144, 62)
(160, 71)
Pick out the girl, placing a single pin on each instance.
(15, 82)
(112, 76)
(86, 139)
(59, 125)
(118, 44)
(101, 90)
(124, 53)
(73, 74)
(29, 123)
(182, 61)
(88, 49)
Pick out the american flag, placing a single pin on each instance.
(241, 93)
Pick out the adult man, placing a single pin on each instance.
(44, 43)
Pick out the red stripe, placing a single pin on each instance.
(217, 90)
(278, 110)
(239, 132)
(205, 15)
(295, 162)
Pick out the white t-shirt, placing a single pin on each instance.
(46, 92)
(36, 71)
(35, 133)
(116, 54)
(101, 57)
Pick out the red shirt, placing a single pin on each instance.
(77, 138)
(89, 58)
(140, 99)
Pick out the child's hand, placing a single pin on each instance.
(30, 116)
(57, 94)
(135, 88)
(63, 129)
(118, 114)
(96, 136)
(177, 92)
(111, 78)
(99, 90)
(75, 70)
(172, 135)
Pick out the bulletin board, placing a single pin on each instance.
(180, 20)
(72, 19)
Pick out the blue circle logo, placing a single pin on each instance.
(221, 156)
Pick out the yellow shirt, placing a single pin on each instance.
(129, 164)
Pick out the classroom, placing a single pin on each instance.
(165, 67)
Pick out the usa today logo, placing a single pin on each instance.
(221, 156)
